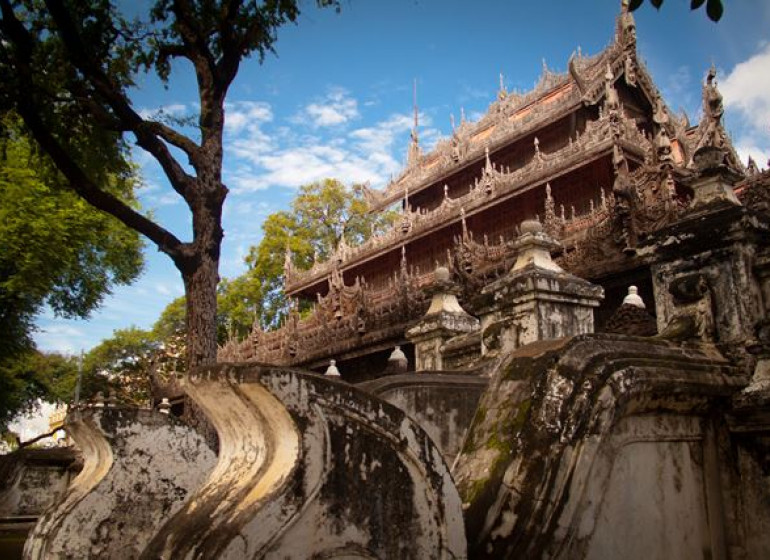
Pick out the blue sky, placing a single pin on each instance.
(336, 101)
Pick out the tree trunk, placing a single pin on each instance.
(201, 293)
(201, 275)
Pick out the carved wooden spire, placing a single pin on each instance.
(414, 154)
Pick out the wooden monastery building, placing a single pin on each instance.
(594, 154)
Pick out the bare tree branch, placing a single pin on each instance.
(112, 94)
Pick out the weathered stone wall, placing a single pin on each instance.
(720, 265)
(307, 468)
(139, 467)
(442, 404)
(606, 446)
(31, 479)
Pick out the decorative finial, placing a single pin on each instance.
(626, 27)
(633, 298)
(503, 93)
(164, 407)
(397, 361)
(712, 74)
(413, 155)
(332, 370)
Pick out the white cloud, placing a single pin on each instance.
(293, 159)
(60, 338)
(380, 137)
(746, 91)
(336, 108)
(157, 113)
(169, 198)
(246, 115)
(747, 88)
(745, 148)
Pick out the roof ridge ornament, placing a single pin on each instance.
(626, 37)
(626, 27)
(711, 128)
(502, 93)
(288, 265)
(415, 153)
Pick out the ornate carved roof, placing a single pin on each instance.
(514, 115)
(510, 117)
(494, 185)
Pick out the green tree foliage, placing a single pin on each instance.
(68, 66)
(33, 375)
(55, 250)
(123, 363)
(171, 321)
(714, 8)
(321, 216)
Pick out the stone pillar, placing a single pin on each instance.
(444, 320)
(705, 279)
(537, 299)
(714, 184)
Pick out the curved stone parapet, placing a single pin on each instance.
(601, 446)
(307, 468)
(311, 468)
(139, 466)
(443, 404)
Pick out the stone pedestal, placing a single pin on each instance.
(715, 181)
(445, 319)
(706, 267)
(537, 300)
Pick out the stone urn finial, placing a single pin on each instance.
(332, 370)
(164, 407)
(534, 246)
(633, 298)
(397, 360)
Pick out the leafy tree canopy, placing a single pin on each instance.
(32, 376)
(67, 68)
(123, 363)
(321, 216)
(714, 8)
(55, 250)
